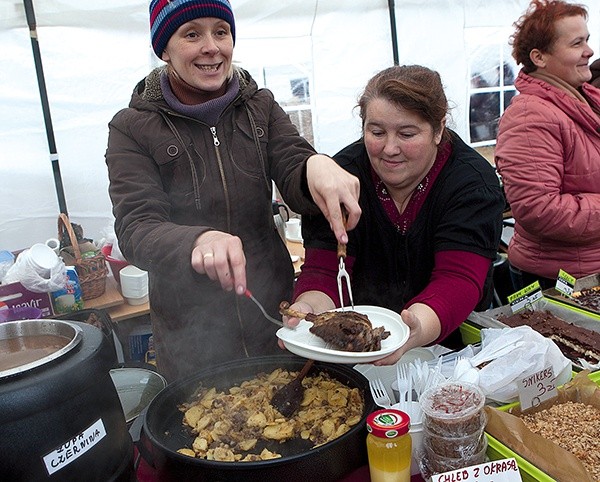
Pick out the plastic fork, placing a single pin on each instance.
(380, 394)
(343, 276)
(404, 387)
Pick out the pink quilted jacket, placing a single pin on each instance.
(548, 154)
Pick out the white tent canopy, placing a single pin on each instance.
(95, 51)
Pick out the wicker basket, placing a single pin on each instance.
(92, 271)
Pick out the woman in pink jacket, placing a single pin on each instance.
(548, 148)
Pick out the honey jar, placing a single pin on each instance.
(389, 446)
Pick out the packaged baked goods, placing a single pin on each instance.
(454, 447)
(453, 409)
(453, 427)
(434, 463)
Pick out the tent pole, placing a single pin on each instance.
(392, 10)
(29, 13)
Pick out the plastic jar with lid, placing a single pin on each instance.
(389, 446)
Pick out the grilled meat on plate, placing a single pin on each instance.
(342, 330)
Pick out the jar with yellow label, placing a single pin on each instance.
(389, 446)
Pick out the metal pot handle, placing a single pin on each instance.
(136, 432)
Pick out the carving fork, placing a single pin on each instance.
(342, 273)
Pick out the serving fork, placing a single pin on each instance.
(249, 295)
(343, 276)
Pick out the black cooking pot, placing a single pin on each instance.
(60, 417)
(159, 431)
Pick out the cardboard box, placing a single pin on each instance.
(15, 295)
(138, 342)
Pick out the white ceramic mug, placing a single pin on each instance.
(53, 244)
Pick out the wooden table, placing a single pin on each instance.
(111, 297)
(296, 249)
(115, 305)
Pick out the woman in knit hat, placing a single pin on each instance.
(191, 164)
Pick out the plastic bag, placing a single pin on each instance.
(507, 355)
(110, 239)
(31, 277)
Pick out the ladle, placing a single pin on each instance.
(289, 397)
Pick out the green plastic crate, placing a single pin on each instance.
(529, 472)
(469, 333)
(576, 309)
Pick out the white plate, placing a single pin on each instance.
(294, 239)
(303, 343)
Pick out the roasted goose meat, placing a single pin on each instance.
(342, 330)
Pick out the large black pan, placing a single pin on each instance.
(162, 432)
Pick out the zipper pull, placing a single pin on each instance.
(216, 140)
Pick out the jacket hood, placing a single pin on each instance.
(147, 94)
(595, 69)
(579, 112)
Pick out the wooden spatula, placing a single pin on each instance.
(288, 398)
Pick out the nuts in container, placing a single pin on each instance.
(559, 438)
(575, 427)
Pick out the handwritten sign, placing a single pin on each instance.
(536, 388)
(75, 447)
(565, 283)
(526, 297)
(505, 470)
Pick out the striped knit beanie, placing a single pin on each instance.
(166, 16)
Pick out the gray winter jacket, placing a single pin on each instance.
(171, 179)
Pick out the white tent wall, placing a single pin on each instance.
(95, 51)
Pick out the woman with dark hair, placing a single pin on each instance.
(431, 215)
(548, 147)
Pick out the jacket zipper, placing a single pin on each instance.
(217, 143)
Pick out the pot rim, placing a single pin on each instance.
(22, 328)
